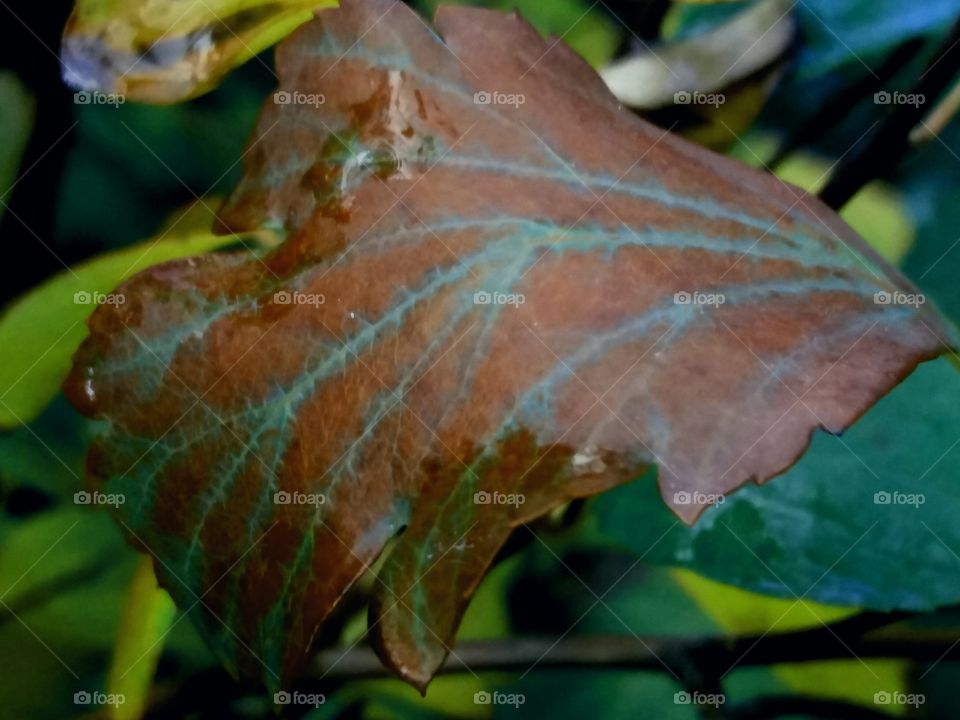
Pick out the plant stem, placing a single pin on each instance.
(838, 642)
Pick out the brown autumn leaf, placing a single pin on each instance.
(496, 283)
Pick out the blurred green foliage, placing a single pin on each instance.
(16, 122)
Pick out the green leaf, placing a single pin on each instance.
(740, 612)
(62, 575)
(165, 52)
(148, 614)
(16, 123)
(556, 596)
(40, 331)
(47, 455)
(933, 193)
(855, 33)
(821, 531)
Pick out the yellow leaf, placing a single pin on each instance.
(740, 612)
(147, 617)
(166, 51)
(16, 124)
(40, 331)
(694, 71)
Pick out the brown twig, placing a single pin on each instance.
(840, 641)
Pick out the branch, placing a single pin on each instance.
(840, 641)
(700, 662)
